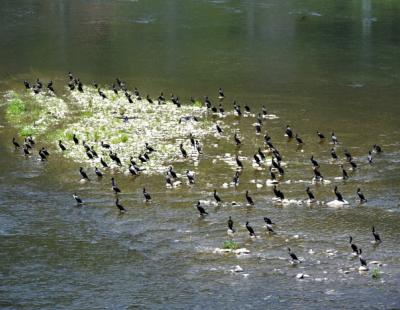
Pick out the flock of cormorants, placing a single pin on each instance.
(276, 170)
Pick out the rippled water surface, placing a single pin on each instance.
(317, 65)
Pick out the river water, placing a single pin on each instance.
(318, 65)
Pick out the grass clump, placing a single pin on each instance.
(376, 274)
(198, 104)
(231, 245)
(123, 138)
(16, 107)
(27, 131)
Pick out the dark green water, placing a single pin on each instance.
(319, 65)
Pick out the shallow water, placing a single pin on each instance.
(317, 65)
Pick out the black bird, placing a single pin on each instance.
(50, 86)
(278, 193)
(376, 235)
(352, 245)
(42, 155)
(83, 174)
(105, 145)
(268, 221)
(230, 225)
(62, 147)
(247, 108)
(333, 154)
(78, 200)
(249, 199)
(27, 144)
(345, 176)
(114, 186)
(221, 109)
(363, 261)
(237, 140)
(293, 256)
(71, 85)
(338, 195)
(16, 144)
(30, 140)
(115, 89)
(258, 129)
(129, 97)
(352, 164)
(261, 154)
(80, 86)
(44, 151)
(264, 111)
(142, 158)
(102, 94)
(370, 157)
(201, 209)
(216, 197)
(237, 110)
(149, 148)
(207, 102)
(98, 172)
(190, 176)
(133, 170)
(298, 139)
(149, 99)
(86, 146)
(146, 195)
(76, 141)
(94, 153)
(183, 151)
(361, 196)
(314, 162)
(219, 129)
(221, 93)
(192, 140)
(267, 139)
(39, 84)
(320, 135)
(161, 97)
(26, 150)
(89, 154)
(119, 206)
(95, 84)
(289, 132)
(235, 179)
(334, 138)
(377, 148)
(104, 164)
(172, 173)
(168, 181)
(310, 194)
(26, 84)
(239, 162)
(250, 229)
(198, 147)
(257, 159)
(348, 155)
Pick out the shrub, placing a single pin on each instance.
(230, 244)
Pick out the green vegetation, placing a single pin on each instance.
(123, 138)
(27, 131)
(69, 135)
(376, 274)
(198, 103)
(230, 244)
(16, 107)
